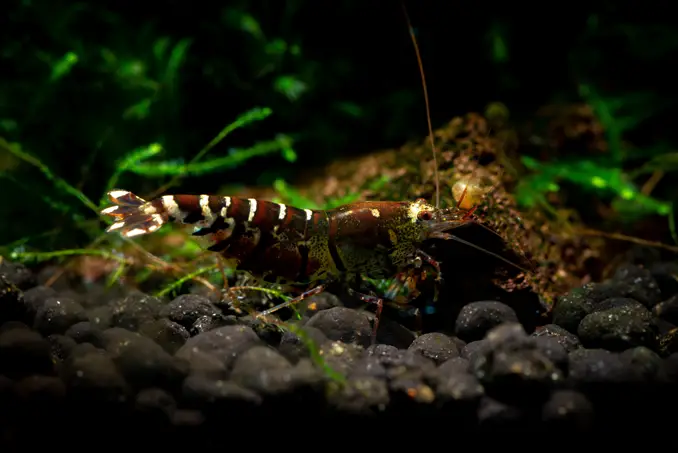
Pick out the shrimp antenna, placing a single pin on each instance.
(428, 109)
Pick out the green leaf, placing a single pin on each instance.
(62, 67)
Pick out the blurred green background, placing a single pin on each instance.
(126, 93)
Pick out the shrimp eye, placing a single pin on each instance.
(425, 215)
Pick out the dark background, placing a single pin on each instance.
(355, 60)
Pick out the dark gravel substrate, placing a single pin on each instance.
(75, 366)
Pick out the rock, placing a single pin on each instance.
(57, 314)
(455, 365)
(477, 318)
(496, 415)
(207, 323)
(625, 289)
(85, 332)
(135, 310)
(13, 307)
(645, 364)
(319, 302)
(667, 310)
(670, 365)
(341, 357)
(212, 353)
(359, 396)
(641, 285)
(188, 308)
(343, 324)
(155, 404)
(664, 274)
(566, 339)
(24, 352)
(472, 349)
(457, 385)
(143, 362)
(101, 317)
(570, 309)
(60, 346)
(17, 274)
(382, 351)
(568, 411)
(514, 366)
(392, 332)
(618, 328)
(93, 378)
(81, 349)
(265, 371)
(168, 334)
(595, 366)
(36, 389)
(293, 348)
(554, 351)
(435, 346)
(368, 366)
(38, 399)
(216, 395)
(35, 298)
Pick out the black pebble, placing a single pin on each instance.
(566, 339)
(646, 365)
(477, 318)
(24, 352)
(168, 334)
(664, 274)
(155, 404)
(102, 317)
(13, 307)
(568, 411)
(472, 349)
(641, 285)
(514, 367)
(17, 274)
(209, 322)
(263, 370)
(570, 309)
(595, 366)
(61, 346)
(93, 378)
(495, 415)
(294, 348)
(216, 396)
(188, 308)
(619, 328)
(35, 298)
(133, 311)
(667, 310)
(359, 396)
(143, 362)
(343, 324)
(212, 353)
(435, 346)
(85, 332)
(57, 314)
(457, 385)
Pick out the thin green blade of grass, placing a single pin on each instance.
(44, 256)
(131, 159)
(62, 67)
(178, 169)
(251, 116)
(176, 58)
(58, 182)
(177, 284)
